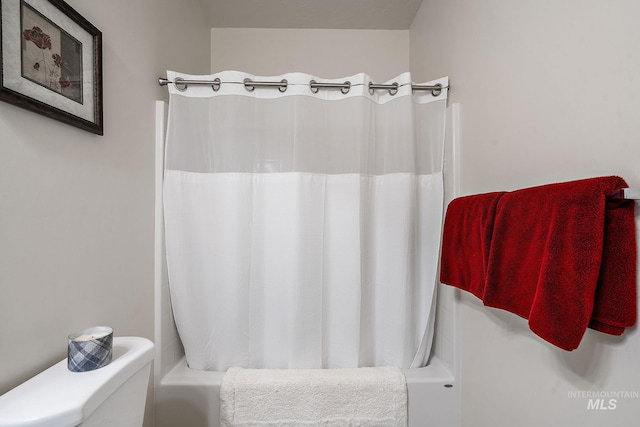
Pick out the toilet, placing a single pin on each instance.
(113, 395)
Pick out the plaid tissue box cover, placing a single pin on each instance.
(91, 354)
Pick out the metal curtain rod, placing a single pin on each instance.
(182, 84)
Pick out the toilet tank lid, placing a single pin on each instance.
(59, 397)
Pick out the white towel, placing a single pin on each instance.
(363, 397)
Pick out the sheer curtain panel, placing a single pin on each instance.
(302, 226)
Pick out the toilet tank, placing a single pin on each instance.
(114, 395)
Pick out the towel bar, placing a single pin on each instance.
(626, 193)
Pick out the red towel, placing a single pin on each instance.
(562, 256)
(467, 233)
(615, 306)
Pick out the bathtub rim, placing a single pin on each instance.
(436, 372)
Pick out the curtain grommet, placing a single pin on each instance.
(248, 85)
(178, 84)
(314, 89)
(216, 84)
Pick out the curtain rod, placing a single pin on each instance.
(250, 85)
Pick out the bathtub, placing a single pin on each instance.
(187, 397)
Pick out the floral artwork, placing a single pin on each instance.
(50, 56)
(51, 62)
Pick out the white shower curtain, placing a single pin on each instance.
(302, 228)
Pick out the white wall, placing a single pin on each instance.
(383, 54)
(548, 91)
(76, 210)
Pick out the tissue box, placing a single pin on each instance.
(90, 349)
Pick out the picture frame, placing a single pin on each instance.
(51, 62)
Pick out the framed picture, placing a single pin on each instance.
(51, 62)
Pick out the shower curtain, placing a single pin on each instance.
(303, 226)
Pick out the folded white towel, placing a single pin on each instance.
(363, 397)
